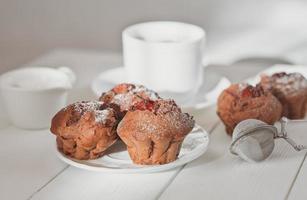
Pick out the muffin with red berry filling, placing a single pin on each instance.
(291, 90)
(242, 101)
(154, 131)
(84, 130)
(126, 95)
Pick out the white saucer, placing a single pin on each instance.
(117, 159)
(207, 95)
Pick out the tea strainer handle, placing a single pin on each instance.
(283, 134)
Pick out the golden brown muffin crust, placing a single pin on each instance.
(241, 101)
(153, 131)
(85, 130)
(291, 90)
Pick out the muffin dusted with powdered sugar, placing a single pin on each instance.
(154, 131)
(84, 130)
(242, 101)
(152, 128)
(291, 90)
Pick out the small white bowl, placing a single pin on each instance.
(33, 95)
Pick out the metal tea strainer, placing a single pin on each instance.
(253, 140)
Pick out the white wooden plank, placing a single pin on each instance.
(79, 184)
(26, 162)
(206, 118)
(76, 184)
(298, 189)
(219, 175)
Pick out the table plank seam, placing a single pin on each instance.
(216, 124)
(295, 177)
(169, 182)
(47, 183)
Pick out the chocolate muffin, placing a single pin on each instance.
(242, 101)
(291, 90)
(154, 131)
(84, 130)
(125, 95)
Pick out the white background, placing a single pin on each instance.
(29, 28)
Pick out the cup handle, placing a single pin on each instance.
(69, 73)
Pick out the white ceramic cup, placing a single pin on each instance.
(164, 56)
(33, 95)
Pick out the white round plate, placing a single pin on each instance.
(117, 159)
(207, 94)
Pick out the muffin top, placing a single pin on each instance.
(285, 84)
(126, 95)
(156, 119)
(242, 101)
(241, 97)
(85, 113)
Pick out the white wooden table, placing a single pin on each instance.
(29, 168)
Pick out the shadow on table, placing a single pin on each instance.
(218, 148)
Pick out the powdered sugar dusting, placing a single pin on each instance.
(165, 120)
(84, 106)
(139, 89)
(182, 120)
(293, 81)
(133, 94)
(175, 118)
(123, 99)
(101, 114)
